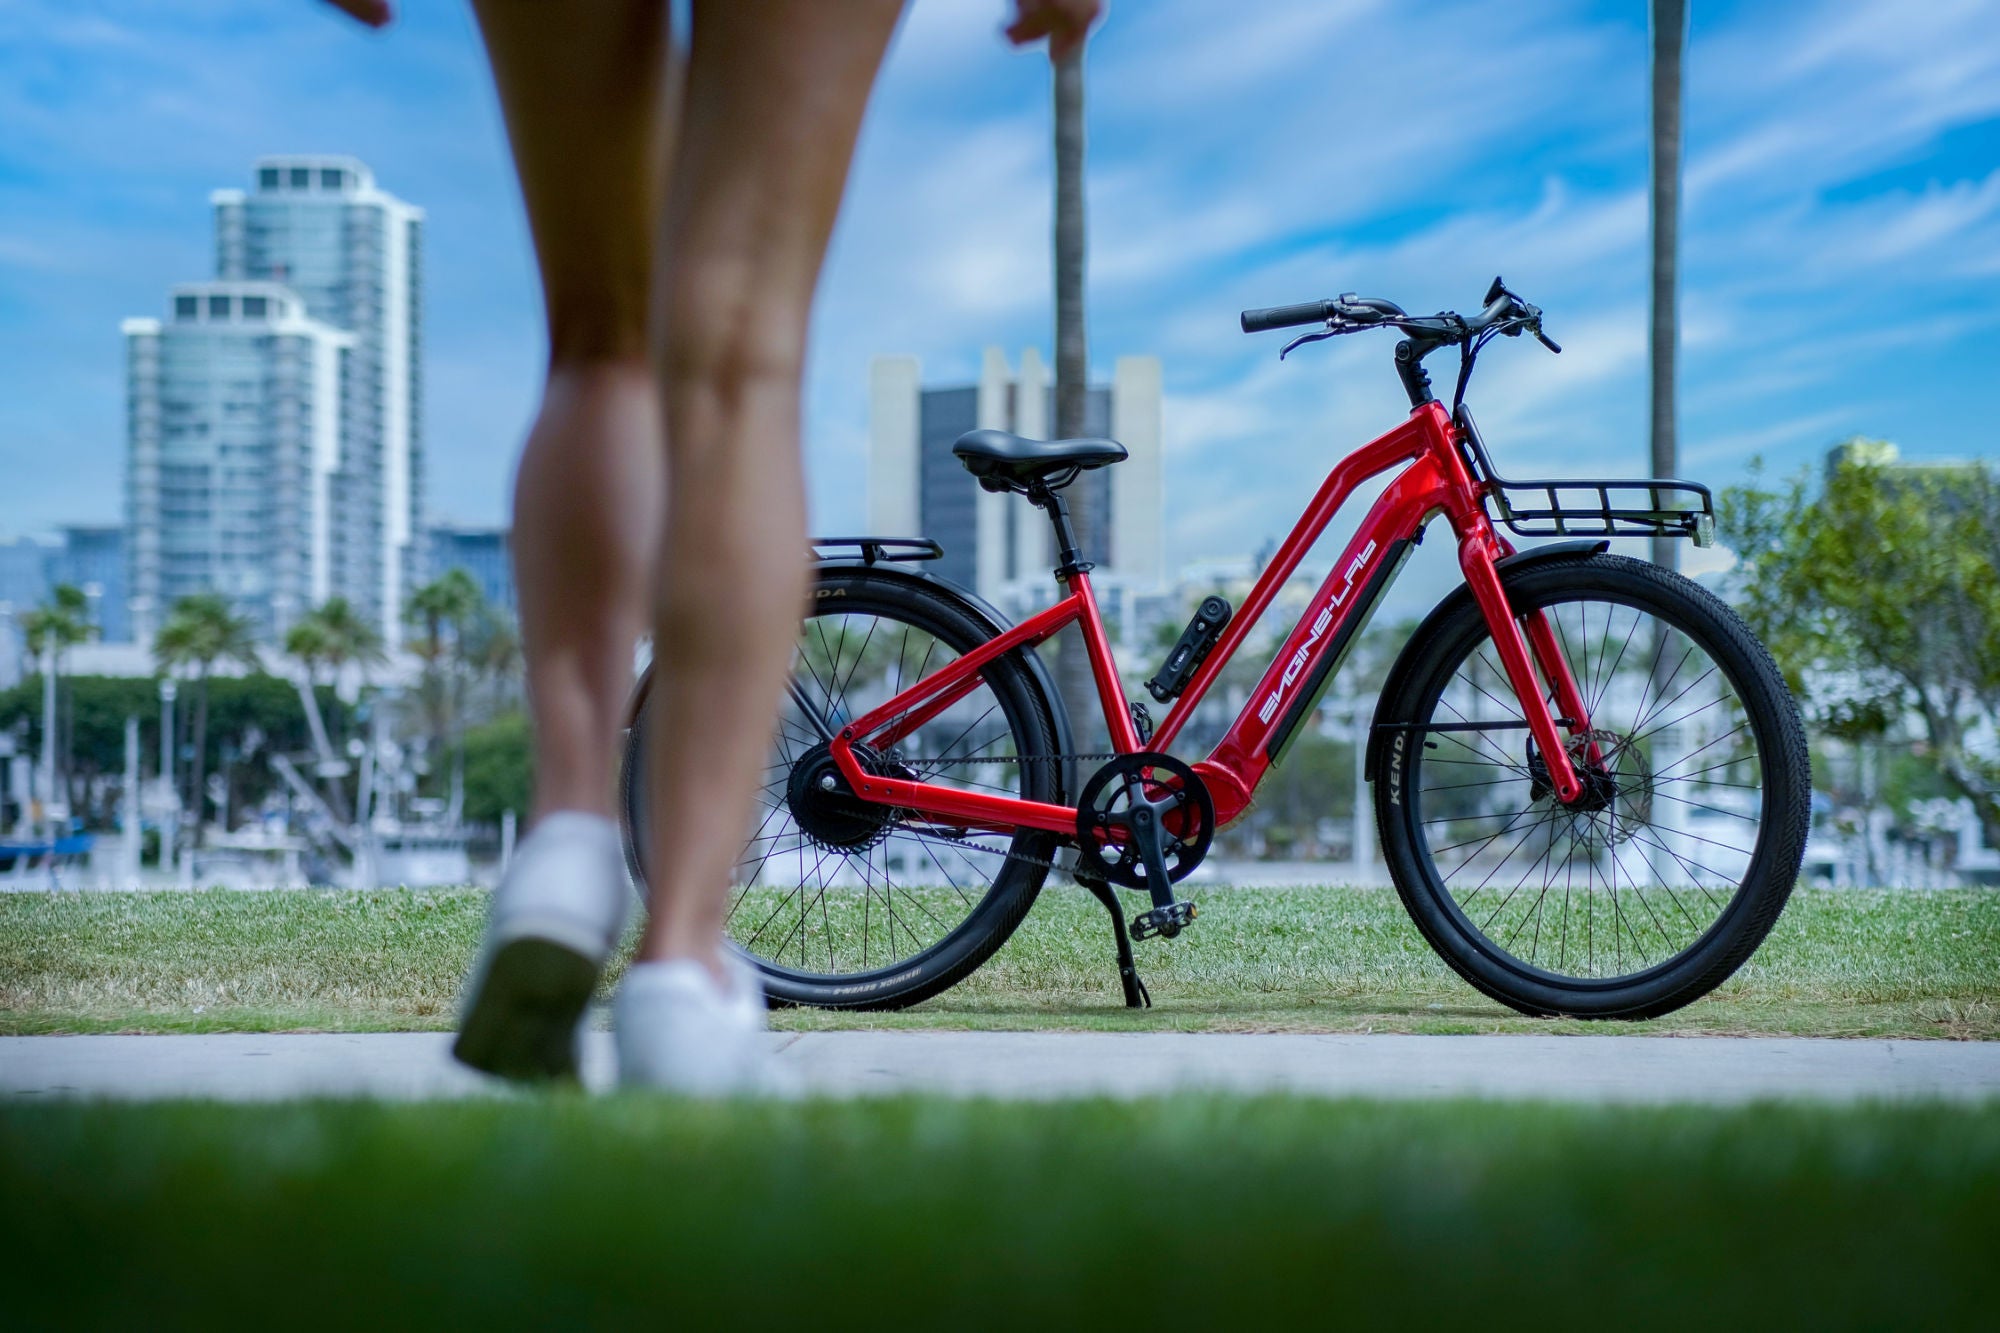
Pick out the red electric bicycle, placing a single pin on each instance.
(1590, 782)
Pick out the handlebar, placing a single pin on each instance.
(1502, 310)
(1286, 316)
(1347, 308)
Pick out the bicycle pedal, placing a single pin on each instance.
(1165, 922)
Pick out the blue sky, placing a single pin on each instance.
(1841, 243)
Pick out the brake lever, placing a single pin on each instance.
(1305, 338)
(1547, 341)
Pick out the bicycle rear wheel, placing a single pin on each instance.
(842, 903)
(1651, 890)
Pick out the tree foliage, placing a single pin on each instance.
(239, 707)
(332, 635)
(62, 622)
(1876, 589)
(499, 769)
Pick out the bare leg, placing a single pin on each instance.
(582, 90)
(775, 95)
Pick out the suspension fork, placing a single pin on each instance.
(1478, 549)
(1555, 670)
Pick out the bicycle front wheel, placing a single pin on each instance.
(1655, 886)
(843, 903)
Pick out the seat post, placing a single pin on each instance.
(1069, 560)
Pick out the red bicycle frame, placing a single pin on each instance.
(1435, 481)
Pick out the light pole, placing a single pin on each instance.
(49, 738)
(170, 817)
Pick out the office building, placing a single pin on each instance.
(92, 557)
(235, 446)
(88, 557)
(480, 552)
(1000, 545)
(24, 576)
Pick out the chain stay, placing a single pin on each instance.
(1047, 863)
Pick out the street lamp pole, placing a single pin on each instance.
(49, 738)
(171, 805)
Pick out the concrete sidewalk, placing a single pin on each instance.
(1043, 1065)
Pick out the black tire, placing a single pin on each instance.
(1748, 791)
(946, 932)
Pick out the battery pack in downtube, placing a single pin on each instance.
(1335, 656)
(1195, 642)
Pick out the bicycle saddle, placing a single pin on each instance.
(1002, 456)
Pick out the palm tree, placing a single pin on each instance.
(443, 612)
(349, 637)
(1073, 678)
(1669, 34)
(199, 632)
(54, 628)
(330, 636)
(491, 651)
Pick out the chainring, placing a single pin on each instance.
(1187, 818)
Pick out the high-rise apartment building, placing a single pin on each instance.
(298, 370)
(997, 543)
(235, 439)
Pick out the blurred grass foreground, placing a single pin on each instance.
(1908, 963)
(1182, 1212)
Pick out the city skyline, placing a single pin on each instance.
(1832, 148)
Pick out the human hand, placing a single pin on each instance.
(374, 13)
(1064, 22)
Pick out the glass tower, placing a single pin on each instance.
(234, 448)
(353, 254)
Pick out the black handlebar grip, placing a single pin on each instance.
(1285, 316)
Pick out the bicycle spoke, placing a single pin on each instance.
(816, 889)
(1596, 889)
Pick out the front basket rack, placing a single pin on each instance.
(1578, 507)
(1591, 506)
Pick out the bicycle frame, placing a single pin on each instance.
(1435, 480)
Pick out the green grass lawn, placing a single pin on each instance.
(1840, 963)
(1185, 1212)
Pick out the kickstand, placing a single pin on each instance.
(1136, 995)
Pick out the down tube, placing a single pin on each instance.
(1285, 698)
(1335, 657)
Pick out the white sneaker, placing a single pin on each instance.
(554, 921)
(679, 1031)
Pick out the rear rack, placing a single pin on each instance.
(1590, 506)
(872, 549)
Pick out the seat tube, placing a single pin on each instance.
(1476, 556)
(1103, 666)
